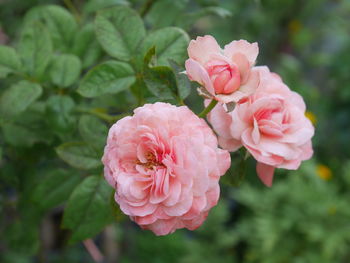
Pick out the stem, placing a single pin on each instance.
(72, 8)
(244, 153)
(146, 7)
(93, 250)
(103, 116)
(181, 102)
(211, 105)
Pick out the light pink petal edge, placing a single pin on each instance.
(250, 50)
(202, 48)
(197, 73)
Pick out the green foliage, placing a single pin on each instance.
(65, 70)
(95, 5)
(28, 128)
(18, 97)
(79, 155)
(88, 210)
(35, 48)
(317, 229)
(23, 237)
(215, 239)
(164, 82)
(238, 170)
(86, 46)
(9, 61)
(106, 78)
(183, 13)
(119, 31)
(59, 114)
(60, 24)
(54, 188)
(182, 82)
(93, 131)
(170, 43)
(59, 91)
(161, 82)
(164, 249)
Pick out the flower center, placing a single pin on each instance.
(271, 120)
(151, 161)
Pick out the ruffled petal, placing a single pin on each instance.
(250, 50)
(251, 84)
(203, 48)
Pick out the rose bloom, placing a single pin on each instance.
(226, 74)
(165, 165)
(271, 124)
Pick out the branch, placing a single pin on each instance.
(93, 250)
(146, 7)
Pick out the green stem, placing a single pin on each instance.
(146, 7)
(72, 8)
(103, 116)
(181, 102)
(211, 105)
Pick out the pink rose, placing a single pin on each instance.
(270, 124)
(165, 165)
(226, 75)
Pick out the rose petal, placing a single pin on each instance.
(197, 73)
(250, 51)
(243, 65)
(265, 173)
(202, 48)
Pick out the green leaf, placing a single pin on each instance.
(182, 81)
(54, 188)
(161, 82)
(93, 6)
(119, 30)
(88, 210)
(59, 113)
(139, 90)
(118, 214)
(18, 97)
(18, 135)
(166, 12)
(60, 23)
(9, 61)
(35, 48)
(108, 77)
(216, 10)
(170, 43)
(22, 237)
(236, 173)
(86, 46)
(79, 155)
(28, 127)
(189, 19)
(65, 70)
(93, 131)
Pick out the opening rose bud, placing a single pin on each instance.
(225, 78)
(165, 164)
(226, 75)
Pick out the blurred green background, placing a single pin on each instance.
(305, 216)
